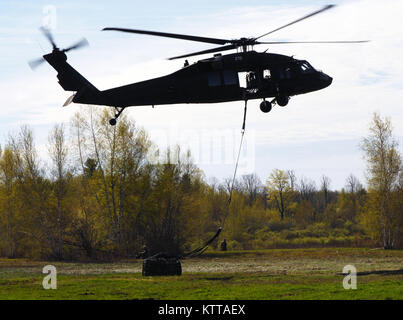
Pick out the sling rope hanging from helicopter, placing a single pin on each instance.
(200, 250)
(236, 164)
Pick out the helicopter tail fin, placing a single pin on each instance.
(71, 80)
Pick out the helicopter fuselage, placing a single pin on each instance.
(218, 79)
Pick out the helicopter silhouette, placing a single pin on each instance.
(211, 80)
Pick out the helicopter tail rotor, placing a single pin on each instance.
(33, 64)
(80, 44)
(55, 50)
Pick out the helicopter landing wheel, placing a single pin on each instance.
(265, 106)
(119, 110)
(282, 101)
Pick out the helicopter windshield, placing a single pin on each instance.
(306, 67)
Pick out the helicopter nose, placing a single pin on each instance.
(325, 79)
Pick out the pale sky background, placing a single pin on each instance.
(317, 133)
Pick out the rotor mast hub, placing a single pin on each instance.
(244, 43)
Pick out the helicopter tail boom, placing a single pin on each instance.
(71, 80)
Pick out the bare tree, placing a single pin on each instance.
(293, 179)
(228, 185)
(252, 186)
(307, 192)
(307, 189)
(353, 185)
(325, 188)
(213, 183)
(28, 152)
(58, 153)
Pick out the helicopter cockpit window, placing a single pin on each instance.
(306, 67)
(214, 79)
(230, 77)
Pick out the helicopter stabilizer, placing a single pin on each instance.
(69, 100)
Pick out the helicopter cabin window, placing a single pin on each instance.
(266, 74)
(214, 79)
(230, 77)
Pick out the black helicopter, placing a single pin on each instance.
(212, 80)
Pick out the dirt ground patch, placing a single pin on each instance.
(277, 261)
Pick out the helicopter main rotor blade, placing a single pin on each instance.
(48, 35)
(171, 35)
(298, 20)
(287, 42)
(82, 43)
(218, 49)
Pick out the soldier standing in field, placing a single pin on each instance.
(224, 245)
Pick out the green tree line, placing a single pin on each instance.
(108, 191)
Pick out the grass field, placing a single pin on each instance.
(267, 274)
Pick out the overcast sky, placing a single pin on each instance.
(317, 133)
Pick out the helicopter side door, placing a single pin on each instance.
(259, 82)
(222, 85)
(283, 79)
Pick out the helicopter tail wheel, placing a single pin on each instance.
(282, 101)
(265, 106)
(119, 110)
